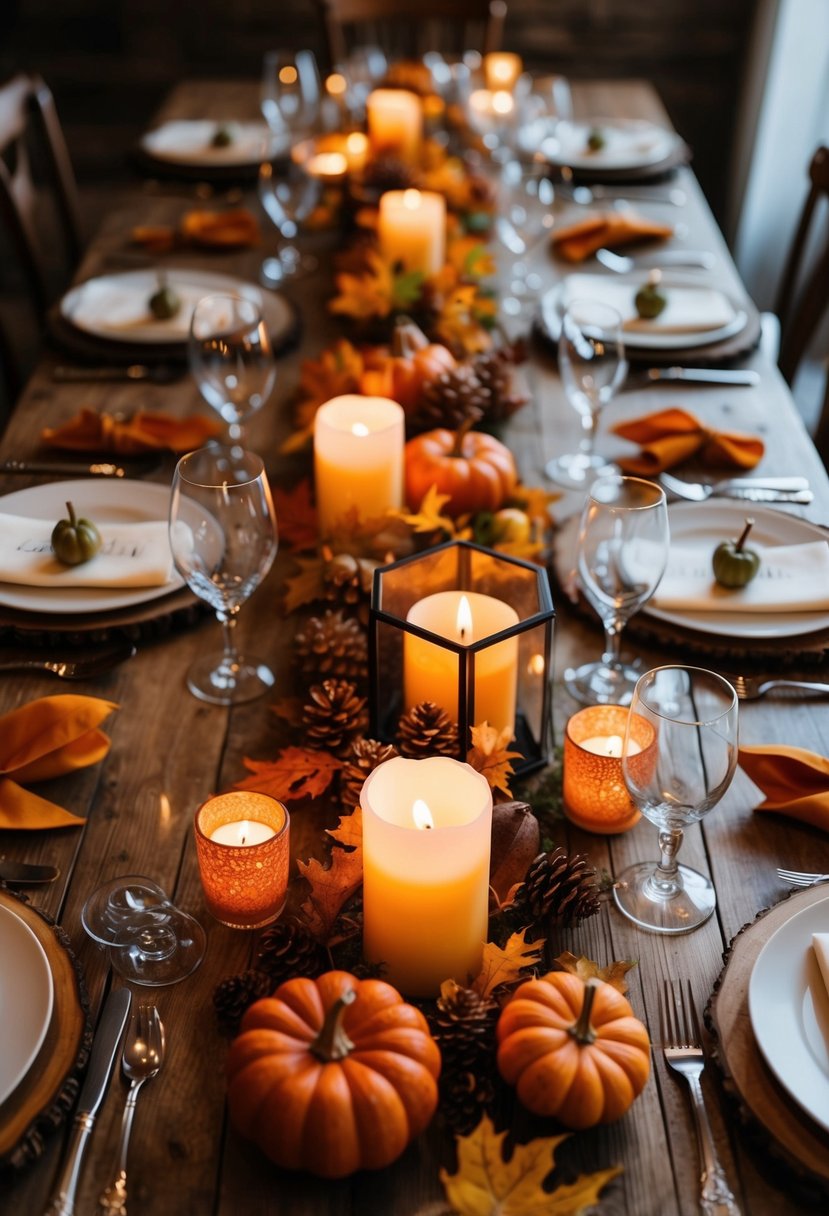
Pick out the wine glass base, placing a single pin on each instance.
(576, 471)
(223, 684)
(290, 264)
(637, 895)
(598, 684)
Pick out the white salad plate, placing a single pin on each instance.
(190, 143)
(629, 144)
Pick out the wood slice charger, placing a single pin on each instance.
(47, 1093)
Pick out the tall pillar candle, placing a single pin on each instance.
(395, 123)
(411, 229)
(426, 888)
(358, 458)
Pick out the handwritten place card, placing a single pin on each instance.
(792, 578)
(131, 555)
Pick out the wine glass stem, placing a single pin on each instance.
(589, 423)
(613, 644)
(665, 874)
(236, 434)
(230, 658)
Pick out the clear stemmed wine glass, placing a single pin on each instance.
(622, 553)
(290, 96)
(224, 539)
(674, 782)
(592, 364)
(231, 358)
(526, 196)
(288, 193)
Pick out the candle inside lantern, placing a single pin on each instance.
(243, 851)
(426, 844)
(411, 230)
(431, 672)
(502, 69)
(358, 458)
(244, 833)
(395, 123)
(595, 796)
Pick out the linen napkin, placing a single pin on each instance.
(145, 431)
(794, 781)
(670, 436)
(236, 229)
(791, 578)
(690, 308)
(605, 230)
(47, 738)
(131, 555)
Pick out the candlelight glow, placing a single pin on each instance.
(359, 428)
(464, 620)
(422, 815)
(336, 84)
(411, 199)
(356, 144)
(327, 164)
(288, 74)
(535, 667)
(502, 102)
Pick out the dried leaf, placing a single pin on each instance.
(297, 772)
(289, 709)
(486, 1185)
(507, 964)
(535, 500)
(307, 585)
(489, 755)
(614, 973)
(296, 515)
(349, 831)
(337, 370)
(429, 517)
(407, 288)
(367, 294)
(333, 886)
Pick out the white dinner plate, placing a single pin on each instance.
(103, 501)
(788, 1006)
(620, 290)
(26, 996)
(697, 524)
(116, 306)
(188, 142)
(628, 144)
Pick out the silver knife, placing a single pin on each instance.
(104, 1050)
(26, 873)
(704, 375)
(162, 374)
(63, 468)
(761, 494)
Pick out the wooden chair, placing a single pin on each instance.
(803, 298)
(408, 28)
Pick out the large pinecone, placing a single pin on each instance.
(333, 645)
(559, 889)
(233, 997)
(288, 950)
(362, 758)
(495, 371)
(464, 1026)
(449, 399)
(427, 730)
(334, 715)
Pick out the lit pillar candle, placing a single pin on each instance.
(395, 123)
(327, 166)
(502, 69)
(358, 458)
(431, 672)
(243, 851)
(425, 889)
(411, 229)
(595, 795)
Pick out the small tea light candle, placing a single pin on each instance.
(243, 851)
(502, 69)
(426, 844)
(358, 458)
(395, 123)
(411, 229)
(595, 796)
(328, 166)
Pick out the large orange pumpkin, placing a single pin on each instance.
(333, 1075)
(413, 363)
(476, 470)
(574, 1050)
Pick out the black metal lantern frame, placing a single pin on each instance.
(465, 567)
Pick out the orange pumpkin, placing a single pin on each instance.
(476, 470)
(333, 1075)
(574, 1050)
(413, 363)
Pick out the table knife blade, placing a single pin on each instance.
(734, 377)
(26, 873)
(63, 468)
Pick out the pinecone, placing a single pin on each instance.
(288, 950)
(387, 173)
(333, 645)
(427, 730)
(494, 371)
(234, 996)
(464, 1026)
(362, 758)
(449, 400)
(348, 582)
(559, 889)
(334, 715)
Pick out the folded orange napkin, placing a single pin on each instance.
(236, 229)
(795, 781)
(44, 739)
(670, 436)
(90, 431)
(605, 229)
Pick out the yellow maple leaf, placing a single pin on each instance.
(333, 885)
(489, 755)
(458, 324)
(429, 517)
(507, 964)
(297, 772)
(487, 1185)
(307, 585)
(585, 968)
(368, 294)
(337, 370)
(534, 500)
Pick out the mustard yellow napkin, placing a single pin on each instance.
(605, 230)
(89, 431)
(237, 229)
(795, 782)
(47, 738)
(670, 436)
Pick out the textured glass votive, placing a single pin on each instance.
(595, 797)
(243, 849)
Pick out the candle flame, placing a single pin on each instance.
(288, 74)
(463, 621)
(336, 84)
(356, 143)
(360, 429)
(502, 102)
(411, 199)
(422, 815)
(244, 828)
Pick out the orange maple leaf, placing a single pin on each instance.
(507, 964)
(489, 755)
(585, 968)
(296, 515)
(368, 294)
(333, 885)
(305, 586)
(297, 772)
(337, 370)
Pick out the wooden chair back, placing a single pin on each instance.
(803, 298)
(409, 28)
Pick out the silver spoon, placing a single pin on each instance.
(84, 668)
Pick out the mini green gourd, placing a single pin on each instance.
(734, 565)
(223, 136)
(596, 140)
(75, 540)
(164, 303)
(649, 300)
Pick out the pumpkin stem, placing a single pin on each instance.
(581, 1030)
(70, 510)
(332, 1043)
(460, 434)
(738, 548)
(407, 338)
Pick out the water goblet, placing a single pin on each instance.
(674, 783)
(592, 364)
(622, 553)
(288, 193)
(231, 358)
(224, 539)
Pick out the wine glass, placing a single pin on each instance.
(526, 195)
(288, 193)
(231, 358)
(290, 96)
(674, 782)
(224, 539)
(622, 553)
(592, 364)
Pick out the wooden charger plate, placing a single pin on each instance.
(45, 1096)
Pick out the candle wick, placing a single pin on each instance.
(244, 840)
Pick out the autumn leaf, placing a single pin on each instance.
(366, 294)
(429, 517)
(406, 289)
(297, 772)
(487, 1185)
(296, 515)
(333, 885)
(489, 755)
(336, 371)
(614, 973)
(307, 585)
(506, 965)
(470, 257)
(349, 831)
(534, 500)
(458, 324)
(288, 709)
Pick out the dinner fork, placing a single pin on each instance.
(143, 1057)
(801, 878)
(682, 1048)
(751, 688)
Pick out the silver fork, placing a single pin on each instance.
(751, 688)
(801, 878)
(756, 489)
(143, 1057)
(682, 1047)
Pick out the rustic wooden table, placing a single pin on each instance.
(170, 752)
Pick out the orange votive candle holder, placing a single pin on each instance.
(243, 850)
(595, 796)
